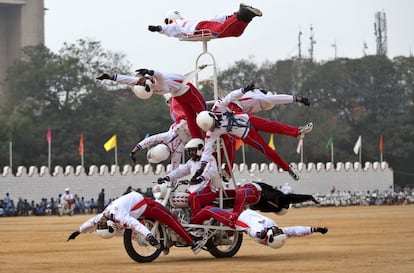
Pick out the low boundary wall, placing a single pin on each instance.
(37, 183)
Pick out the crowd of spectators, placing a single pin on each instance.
(23, 207)
(8, 207)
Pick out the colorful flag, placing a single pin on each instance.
(110, 144)
(329, 143)
(357, 145)
(49, 135)
(300, 144)
(80, 149)
(380, 144)
(271, 143)
(238, 144)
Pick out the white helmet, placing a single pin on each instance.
(275, 241)
(67, 189)
(158, 153)
(108, 232)
(197, 143)
(171, 16)
(143, 92)
(205, 120)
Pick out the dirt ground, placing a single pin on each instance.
(360, 239)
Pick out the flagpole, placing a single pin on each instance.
(116, 155)
(301, 153)
(11, 154)
(360, 152)
(244, 155)
(49, 157)
(82, 159)
(332, 153)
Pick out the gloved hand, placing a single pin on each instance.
(196, 181)
(154, 242)
(144, 71)
(73, 235)
(198, 172)
(162, 180)
(132, 156)
(104, 76)
(305, 101)
(315, 201)
(249, 87)
(154, 28)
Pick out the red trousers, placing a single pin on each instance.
(218, 214)
(192, 103)
(200, 199)
(247, 194)
(158, 212)
(229, 28)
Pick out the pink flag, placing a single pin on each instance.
(49, 135)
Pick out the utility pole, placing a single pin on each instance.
(312, 42)
(335, 50)
(299, 45)
(364, 49)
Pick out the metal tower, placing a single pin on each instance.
(380, 27)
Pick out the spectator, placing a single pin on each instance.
(101, 201)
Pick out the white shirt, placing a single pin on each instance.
(190, 167)
(253, 223)
(125, 210)
(256, 101)
(182, 28)
(163, 83)
(175, 138)
(240, 130)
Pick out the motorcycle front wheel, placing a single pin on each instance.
(225, 244)
(138, 248)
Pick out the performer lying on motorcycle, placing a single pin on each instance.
(123, 213)
(261, 229)
(265, 198)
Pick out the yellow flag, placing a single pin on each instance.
(110, 144)
(271, 143)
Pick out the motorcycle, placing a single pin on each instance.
(219, 240)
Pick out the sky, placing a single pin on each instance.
(121, 26)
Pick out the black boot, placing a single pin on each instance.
(247, 13)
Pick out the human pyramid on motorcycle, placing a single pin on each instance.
(195, 216)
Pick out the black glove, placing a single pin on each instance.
(196, 181)
(198, 172)
(154, 28)
(104, 76)
(144, 71)
(154, 242)
(162, 180)
(305, 101)
(248, 87)
(132, 156)
(73, 235)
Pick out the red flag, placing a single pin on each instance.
(380, 144)
(49, 135)
(239, 143)
(80, 149)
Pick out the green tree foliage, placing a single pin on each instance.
(371, 96)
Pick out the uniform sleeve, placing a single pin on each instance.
(130, 80)
(134, 224)
(207, 155)
(172, 30)
(222, 103)
(181, 171)
(296, 231)
(210, 171)
(155, 139)
(90, 225)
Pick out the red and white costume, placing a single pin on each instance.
(219, 26)
(203, 193)
(239, 126)
(126, 209)
(175, 138)
(249, 221)
(184, 93)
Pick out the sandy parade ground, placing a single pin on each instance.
(360, 239)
